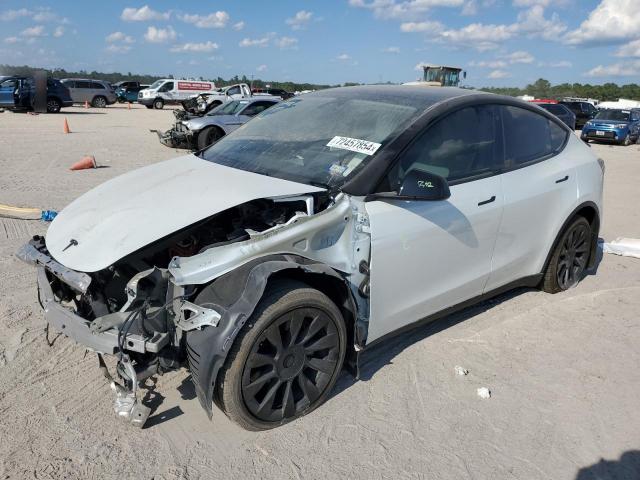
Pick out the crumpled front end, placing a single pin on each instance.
(178, 136)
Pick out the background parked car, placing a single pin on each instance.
(97, 92)
(560, 111)
(615, 125)
(129, 94)
(200, 132)
(18, 93)
(276, 92)
(584, 111)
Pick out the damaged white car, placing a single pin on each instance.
(268, 262)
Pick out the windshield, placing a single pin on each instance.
(230, 108)
(622, 115)
(156, 84)
(316, 139)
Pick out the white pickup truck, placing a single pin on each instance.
(204, 102)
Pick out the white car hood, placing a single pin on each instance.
(137, 208)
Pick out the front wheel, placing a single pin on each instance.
(570, 257)
(627, 140)
(53, 105)
(285, 360)
(99, 102)
(209, 136)
(158, 104)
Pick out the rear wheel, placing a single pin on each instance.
(627, 140)
(158, 104)
(285, 360)
(99, 102)
(570, 257)
(53, 105)
(209, 136)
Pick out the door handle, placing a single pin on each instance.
(566, 177)
(492, 199)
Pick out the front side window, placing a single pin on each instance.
(234, 91)
(462, 146)
(83, 84)
(529, 136)
(98, 86)
(166, 87)
(256, 108)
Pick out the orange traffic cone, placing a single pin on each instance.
(86, 104)
(65, 127)
(88, 161)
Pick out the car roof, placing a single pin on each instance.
(410, 95)
(84, 79)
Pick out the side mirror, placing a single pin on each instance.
(417, 185)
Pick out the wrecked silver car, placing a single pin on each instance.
(267, 262)
(199, 132)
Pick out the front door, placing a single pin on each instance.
(8, 91)
(427, 256)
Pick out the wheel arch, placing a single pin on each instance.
(591, 212)
(237, 293)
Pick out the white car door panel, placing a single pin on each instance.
(537, 200)
(427, 256)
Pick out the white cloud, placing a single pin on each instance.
(59, 31)
(195, 47)
(286, 42)
(160, 35)
(391, 50)
(113, 48)
(238, 26)
(533, 23)
(11, 40)
(116, 37)
(479, 36)
(496, 64)
(412, 27)
(470, 8)
(35, 31)
(217, 19)
(299, 20)
(261, 68)
(256, 42)
(143, 14)
(626, 69)
(343, 57)
(631, 49)
(496, 74)
(410, 10)
(11, 15)
(611, 22)
(559, 64)
(519, 57)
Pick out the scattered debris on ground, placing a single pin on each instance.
(626, 247)
(461, 371)
(484, 392)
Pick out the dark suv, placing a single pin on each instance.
(584, 111)
(19, 93)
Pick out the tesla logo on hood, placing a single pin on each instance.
(72, 243)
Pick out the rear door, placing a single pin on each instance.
(540, 191)
(8, 92)
(430, 255)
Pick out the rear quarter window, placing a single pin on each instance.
(530, 136)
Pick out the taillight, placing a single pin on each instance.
(601, 163)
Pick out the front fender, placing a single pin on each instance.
(235, 295)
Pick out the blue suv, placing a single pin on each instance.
(19, 93)
(614, 125)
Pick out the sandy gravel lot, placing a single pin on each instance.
(562, 369)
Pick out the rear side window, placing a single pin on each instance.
(462, 146)
(529, 136)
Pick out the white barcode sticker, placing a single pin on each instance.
(354, 145)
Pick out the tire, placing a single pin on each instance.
(209, 136)
(158, 104)
(53, 105)
(270, 378)
(627, 141)
(99, 102)
(570, 257)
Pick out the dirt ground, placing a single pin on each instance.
(562, 369)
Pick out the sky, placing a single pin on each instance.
(497, 42)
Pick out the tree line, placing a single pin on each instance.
(542, 88)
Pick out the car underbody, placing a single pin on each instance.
(144, 307)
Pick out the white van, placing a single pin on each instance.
(170, 90)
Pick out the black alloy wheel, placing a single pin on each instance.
(291, 364)
(574, 254)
